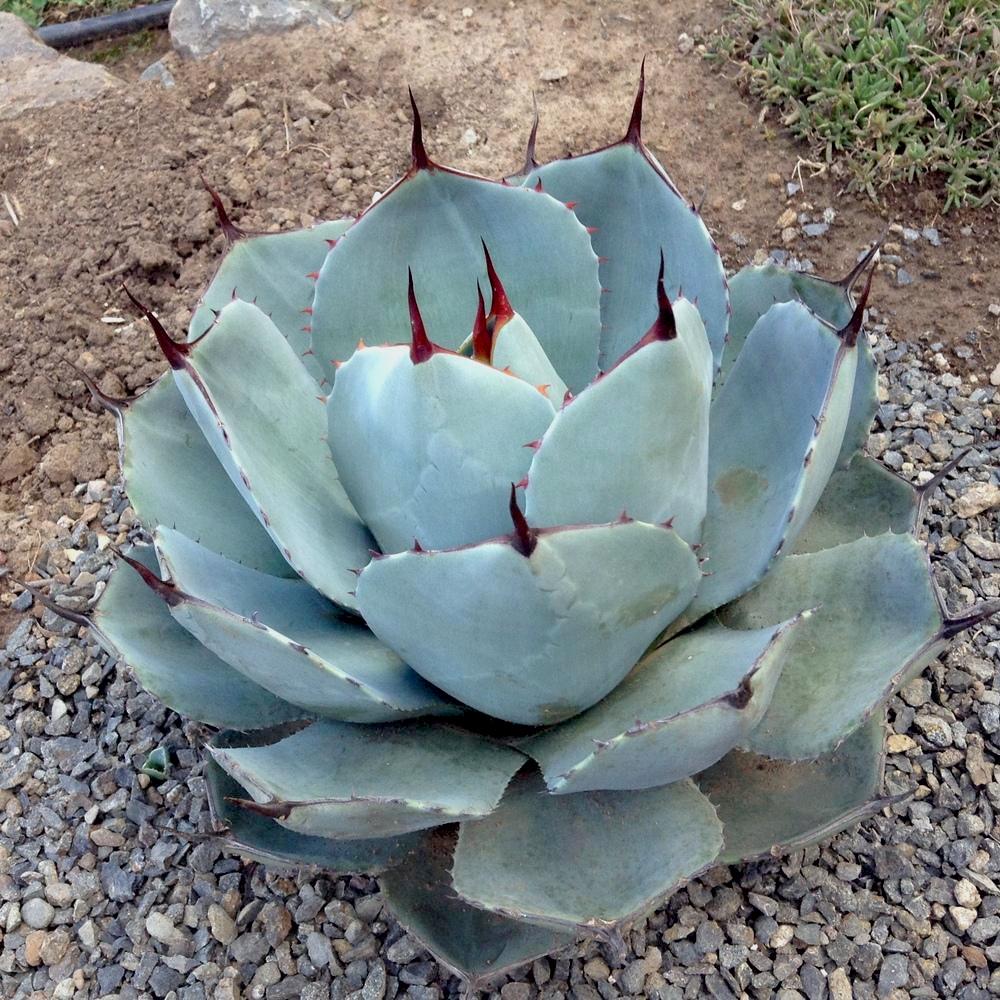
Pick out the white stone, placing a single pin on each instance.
(34, 76)
(199, 27)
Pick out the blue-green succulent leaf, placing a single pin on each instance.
(775, 432)
(770, 807)
(516, 349)
(634, 440)
(624, 194)
(755, 289)
(588, 861)
(864, 498)
(258, 409)
(877, 624)
(684, 706)
(133, 623)
(478, 945)
(290, 639)
(278, 272)
(262, 839)
(428, 451)
(173, 478)
(533, 638)
(335, 779)
(435, 222)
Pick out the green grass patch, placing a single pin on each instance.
(38, 12)
(886, 90)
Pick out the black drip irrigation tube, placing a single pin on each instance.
(94, 29)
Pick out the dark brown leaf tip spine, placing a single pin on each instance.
(500, 307)
(419, 160)
(633, 135)
(523, 538)
(421, 349)
(850, 333)
(175, 353)
(116, 406)
(482, 339)
(47, 602)
(850, 279)
(229, 228)
(979, 614)
(165, 591)
(530, 163)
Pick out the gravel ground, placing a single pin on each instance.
(110, 886)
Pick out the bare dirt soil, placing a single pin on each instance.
(309, 125)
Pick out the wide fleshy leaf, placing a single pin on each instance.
(635, 211)
(863, 499)
(435, 221)
(516, 349)
(262, 839)
(683, 707)
(770, 807)
(533, 638)
(278, 272)
(288, 638)
(478, 945)
(258, 409)
(771, 452)
(428, 451)
(634, 440)
(134, 623)
(588, 861)
(334, 779)
(755, 289)
(173, 478)
(877, 624)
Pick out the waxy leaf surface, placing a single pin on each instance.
(288, 638)
(428, 451)
(877, 623)
(534, 639)
(684, 706)
(435, 221)
(636, 440)
(172, 665)
(587, 861)
(335, 779)
(258, 409)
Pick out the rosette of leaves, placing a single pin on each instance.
(517, 556)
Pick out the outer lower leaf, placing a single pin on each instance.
(683, 707)
(258, 409)
(769, 807)
(428, 451)
(435, 221)
(334, 779)
(587, 861)
(863, 499)
(261, 839)
(776, 429)
(755, 289)
(877, 623)
(286, 637)
(635, 211)
(634, 440)
(531, 639)
(173, 478)
(134, 624)
(476, 944)
(278, 272)
(516, 349)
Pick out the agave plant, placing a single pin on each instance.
(536, 610)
